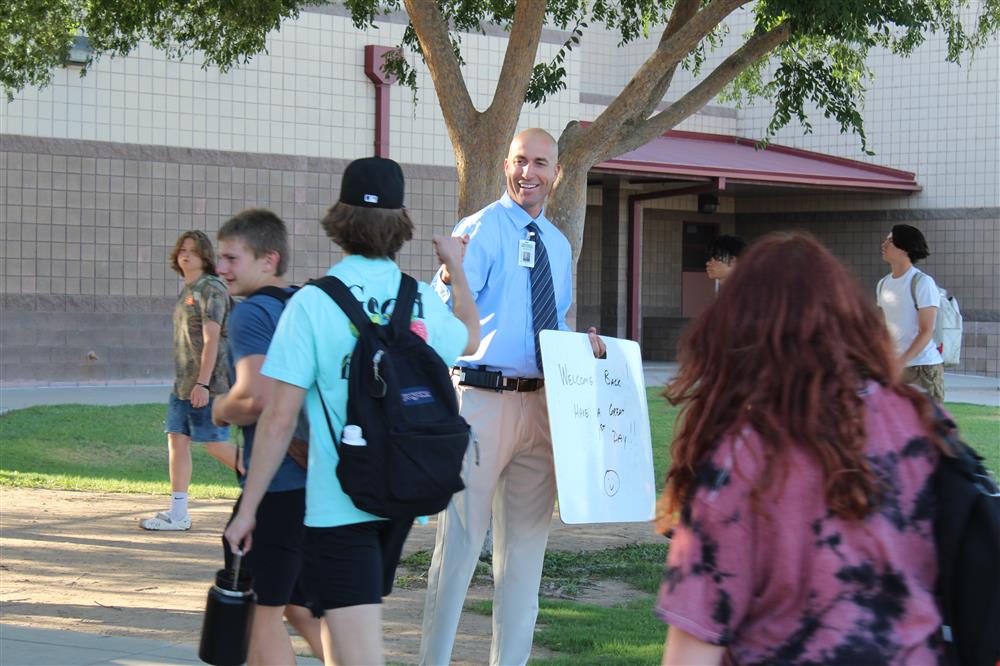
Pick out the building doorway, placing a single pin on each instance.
(697, 290)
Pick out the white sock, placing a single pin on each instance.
(179, 506)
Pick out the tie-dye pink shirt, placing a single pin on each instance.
(804, 586)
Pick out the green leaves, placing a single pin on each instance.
(823, 64)
(35, 35)
(827, 74)
(549, 78)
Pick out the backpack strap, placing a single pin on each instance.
(344, 299)
(913, 289)
(273, 292)
(404, 304)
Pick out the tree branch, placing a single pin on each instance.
(627, 109)
(449, 84)
(683, 11)
(756, 47)
(518, 62)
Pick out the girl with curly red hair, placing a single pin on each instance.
(799, 492)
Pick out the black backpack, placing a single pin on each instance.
(298, 449)
(400, 393)
(967, 534)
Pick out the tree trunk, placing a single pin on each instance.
(479, 159)
(567, 204)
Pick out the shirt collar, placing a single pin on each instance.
(518, 215)
(360, 262)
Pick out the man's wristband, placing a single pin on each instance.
(204, 386)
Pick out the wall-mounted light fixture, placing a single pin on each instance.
(79, 51)
(708, 203)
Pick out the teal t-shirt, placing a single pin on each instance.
(312, 348)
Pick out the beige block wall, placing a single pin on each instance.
(87, 229)
(965, 244)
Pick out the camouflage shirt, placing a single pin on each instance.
(206, 299)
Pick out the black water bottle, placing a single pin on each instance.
(225, 632)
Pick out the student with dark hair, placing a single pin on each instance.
(200, 359)
(723, 252)
(801, 470)
(351, 555)
(253, 258)
(909, 298)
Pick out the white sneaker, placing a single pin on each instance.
(163, 522)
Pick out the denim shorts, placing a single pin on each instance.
(197, 424)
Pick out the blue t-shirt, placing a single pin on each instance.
(312, 350)
(251, 326)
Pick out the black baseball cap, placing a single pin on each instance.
(373, 182)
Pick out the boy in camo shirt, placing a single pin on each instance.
(200, 358)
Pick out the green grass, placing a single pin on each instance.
(661, 426)
(123, 449)
(640, 566)
(980, 427)
(623, 633)
(106, 449)
(626, 633)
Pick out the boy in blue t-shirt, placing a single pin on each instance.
(351, 555)
(253, 251)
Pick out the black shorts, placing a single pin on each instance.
(275, 557)
(352, 565)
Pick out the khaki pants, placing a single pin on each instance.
(930, 378)
(509, 470)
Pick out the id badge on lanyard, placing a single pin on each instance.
(526, 253)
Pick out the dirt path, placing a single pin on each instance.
(78, 561)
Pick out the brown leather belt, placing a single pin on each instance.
(494, 380)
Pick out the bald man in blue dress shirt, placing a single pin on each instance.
(508, 469)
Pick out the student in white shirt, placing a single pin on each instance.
(910, 299)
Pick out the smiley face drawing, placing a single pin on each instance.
(611, 483)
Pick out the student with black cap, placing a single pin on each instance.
(910, 300)
(350, 555)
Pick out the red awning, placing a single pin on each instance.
(738, 160)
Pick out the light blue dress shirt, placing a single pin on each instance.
(502, 288)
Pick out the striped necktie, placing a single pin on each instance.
(543, 297)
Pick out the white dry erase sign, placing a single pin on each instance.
(526, 253)
(600, 429)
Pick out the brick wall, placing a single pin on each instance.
(87, 228)
(964, 244)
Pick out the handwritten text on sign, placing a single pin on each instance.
(600, 429)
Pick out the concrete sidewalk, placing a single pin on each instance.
(958, 388)
(26, 646)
